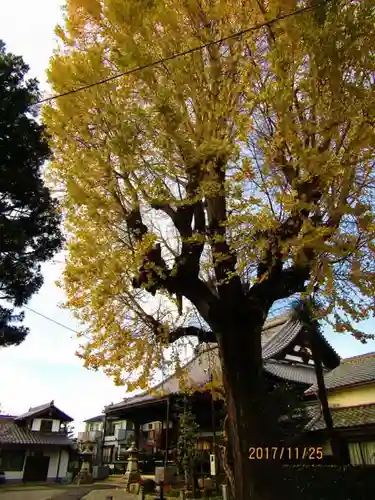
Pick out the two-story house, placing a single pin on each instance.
(108, 439)
(35, 446)
(351, 397)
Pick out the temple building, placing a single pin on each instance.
(287, 361)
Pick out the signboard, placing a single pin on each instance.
(212, 465)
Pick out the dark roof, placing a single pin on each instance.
(98, 418)
(351, 371)
(277, 335)
(41, 409)
(300, 373)
(12, 433)
(352, 416)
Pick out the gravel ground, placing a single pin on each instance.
(73, 493)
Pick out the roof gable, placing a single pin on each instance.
(47, 410)
(98, 418)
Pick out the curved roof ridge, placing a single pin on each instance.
(367, 355)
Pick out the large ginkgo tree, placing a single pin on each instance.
(214, 183)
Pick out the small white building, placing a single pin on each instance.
(35, 446)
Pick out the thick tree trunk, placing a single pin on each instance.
(250, 420)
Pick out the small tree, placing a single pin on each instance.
(187, 439)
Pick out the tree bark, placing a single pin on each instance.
(250, 419)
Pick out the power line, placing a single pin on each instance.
(50, 319)
(181, 54)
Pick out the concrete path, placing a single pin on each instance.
(70, 493)
(42, 494)
(81, 492)
(116, 494)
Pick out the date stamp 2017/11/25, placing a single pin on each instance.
(288, 453)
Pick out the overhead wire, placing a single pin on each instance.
(183, 53)
(50, 319)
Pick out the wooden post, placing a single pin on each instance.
(166, 433)
(322, 392)
(161, 487)
(101, 458)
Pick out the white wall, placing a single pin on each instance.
(37, 421)
(54, 461)
(52, 468)
(14, 475)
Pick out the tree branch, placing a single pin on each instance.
(224, 259)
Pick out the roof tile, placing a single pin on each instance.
(352, 416)
(277, 334)
(356, 370)
(11, 433)
(36, 410)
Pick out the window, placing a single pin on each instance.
(12, 460)
(121, 452)
(96, 426)
(107, 454)
(46, 426)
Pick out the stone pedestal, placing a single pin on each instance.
(132, 474)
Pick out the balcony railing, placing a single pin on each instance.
(120, 434)
(90, 436)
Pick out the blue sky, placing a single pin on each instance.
(45, 367)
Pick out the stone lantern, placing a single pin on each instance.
(84, 476)
(132, 474)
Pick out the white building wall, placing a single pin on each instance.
(36, 424)
(14, 475)
(55, 425)
(64, 463)
(37, 421)
(54, 462)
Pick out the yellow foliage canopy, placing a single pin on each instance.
(266, 140)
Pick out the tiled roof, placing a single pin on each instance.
(278, 333)
(195, 371)
(351, 371)
(98, 418)
(37, 410)
(303, 374)
(277, 342)
(12, 433)
(353, 416)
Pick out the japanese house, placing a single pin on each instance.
(351, 397)
(107, 439)
(35, 446)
